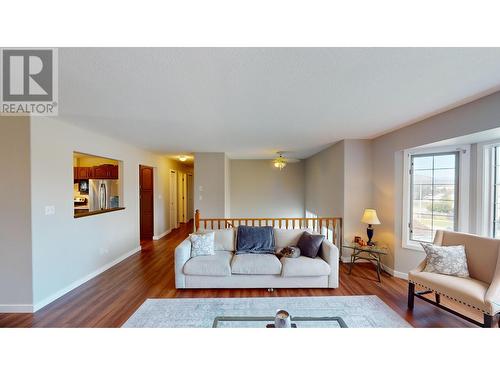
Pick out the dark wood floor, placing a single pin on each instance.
(109, 299)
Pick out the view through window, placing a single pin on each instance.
(434, 195)
(496, 192)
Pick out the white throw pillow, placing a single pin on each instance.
(446, 260)
(202, 244)
(223, 239)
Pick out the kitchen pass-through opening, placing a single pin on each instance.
(97, 185)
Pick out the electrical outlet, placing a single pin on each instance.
(50, 210)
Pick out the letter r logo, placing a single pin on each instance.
(27, 75)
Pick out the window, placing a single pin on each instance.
(495, 199)
(488, 204)
(433, 190)
(436, 193)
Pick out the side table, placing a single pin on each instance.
(371, 253)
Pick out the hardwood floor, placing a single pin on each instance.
(109, 299)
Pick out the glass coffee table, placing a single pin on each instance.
(268, 322)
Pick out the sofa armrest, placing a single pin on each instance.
(182, 255)
(330, 254)
(419, 269)
(421, 266)
(492, 296)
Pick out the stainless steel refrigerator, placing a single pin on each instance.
(102, 193)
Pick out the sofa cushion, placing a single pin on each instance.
(304, 266)
(218, 264)
(466, 290)
(255, 264)
(224, 239)
(287, 237)
(309, 244)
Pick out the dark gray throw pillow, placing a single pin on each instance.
(309, 244)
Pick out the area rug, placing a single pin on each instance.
(356, 311)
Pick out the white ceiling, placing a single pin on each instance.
(252, 102)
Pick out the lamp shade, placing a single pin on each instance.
(370, 216)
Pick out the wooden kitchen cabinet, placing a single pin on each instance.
(105, 171)
(101, 172)
(113, 172)
(82, 173)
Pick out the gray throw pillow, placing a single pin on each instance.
(309, 244)
(446, 260)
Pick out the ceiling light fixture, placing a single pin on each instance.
(280, 162)
(183, 158)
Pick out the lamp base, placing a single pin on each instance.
(369, 233)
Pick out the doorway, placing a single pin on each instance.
(173, 199)
(146, 208)
(190, 197)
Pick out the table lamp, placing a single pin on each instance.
(370, 217)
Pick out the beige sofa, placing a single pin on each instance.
(225, 269)
(480, 291)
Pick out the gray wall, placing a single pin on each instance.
(338, 183)
(324, 177)
(258, 189)
(227, 187)
(15, 220)
(357, 187)
(210, 186)
(482, 114)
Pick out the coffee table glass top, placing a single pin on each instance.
(263, 321)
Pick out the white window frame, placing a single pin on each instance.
(463, 189)
(485, 170)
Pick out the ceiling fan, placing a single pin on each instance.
(280, 162)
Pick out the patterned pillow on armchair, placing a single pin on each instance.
(446, 260)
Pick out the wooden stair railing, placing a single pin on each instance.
(331, 227)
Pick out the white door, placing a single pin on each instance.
(190, 197)
(173, 199)
(181, 193)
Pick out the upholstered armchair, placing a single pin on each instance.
(480, 291)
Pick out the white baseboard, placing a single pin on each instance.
(399, 275)
(345, 259)
(161, 235)
(84, 279)
(390, 271)
(16, 309)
